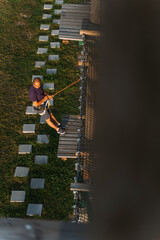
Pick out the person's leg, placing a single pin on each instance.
(54, 119)
(50, 123)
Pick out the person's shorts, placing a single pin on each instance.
(45, 114)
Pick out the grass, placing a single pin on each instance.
(19, 29)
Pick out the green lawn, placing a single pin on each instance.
(19, 30)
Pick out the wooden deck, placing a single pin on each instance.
(74, 17)
(68, 143)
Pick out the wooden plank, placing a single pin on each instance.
(73, 139)
(66, 155)
(66, 147)
(66, 151)
(82, 187)
(66, 142)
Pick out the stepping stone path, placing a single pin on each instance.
(34, 209)
(54, 32)
(46, 16)
(53, 57)
(55, 44)
(48, 6)
(37, 183)
(43, 38)
(37, 76)
(49, 86)
(21, 172)
(44, 27)
(42, 139)
(17, 196)
(57, 11)
(56, 21)
(41, 159)
(40, 64)
(25, 149)
(29, 128)
(30, 110)
(59, 2)
(42, 50)
(51, 71)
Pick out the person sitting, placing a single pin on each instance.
(40, 104)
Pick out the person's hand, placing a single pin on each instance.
(50, 96)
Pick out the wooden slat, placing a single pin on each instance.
(66, 142)
(69, 146)
(66, 155)
(80, 187)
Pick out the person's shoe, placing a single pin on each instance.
(60, 131)
(60, 125)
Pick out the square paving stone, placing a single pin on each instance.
(41, 159)
(56, 21)
(46, 16)
(17, 196)
(44, 27)
(21, 172)
(59, 2)
(51, 71)
(37, 76)
(40, 64)
(54, 32)
(34, 209)
(53, 57)
(48, 6)
(42, 50)
(29, 128)
(37, 183)
(43, 38)
(25, 149)
(55, 44)
(58, 11)
(42, 139)
(49, 86)
(30, 110)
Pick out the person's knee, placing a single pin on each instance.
(48, 120)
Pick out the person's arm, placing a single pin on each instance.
(36, 104)
(49, 96)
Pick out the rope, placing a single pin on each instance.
(66, 87)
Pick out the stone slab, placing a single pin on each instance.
(44, 27)
(34, 209)
(57, 11)
(42, 50)
(41, 159)
(54, 32)
(29, 128)
(59, 2)
(43, 38)
(25, 149)
(49, 86)
(37, 183)
(53, 57)
(17, 196)
(40, 63)
(48, 6)
(46, 16)
(37, 76)
(51, 71)
(30, 110)
(42, 139)
(55, 44)
(21, 172)
(56, 21)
